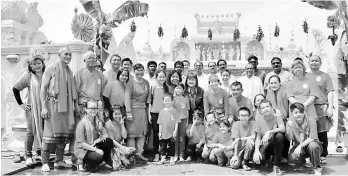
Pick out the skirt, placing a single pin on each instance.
(137, 127)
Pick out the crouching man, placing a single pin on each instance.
(303, 133)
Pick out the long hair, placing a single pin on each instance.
(165, 86)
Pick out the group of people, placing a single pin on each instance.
(210, 117)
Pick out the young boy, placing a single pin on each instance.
(195, 134)
(168, 120)
(211, 128)
(243, 139)
(303, 133)
(237, 101)
(219, 143)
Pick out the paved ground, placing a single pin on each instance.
(337, 165)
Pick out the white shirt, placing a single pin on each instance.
(152, 81)
(251, 86)
(284, 76)
(203, 81)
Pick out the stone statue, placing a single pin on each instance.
(10, 38)
(204, 54)
(238, 53)
(181, 54)
(126, 47)
(198, 52)
(231, 53)
(216, 53)
(223, 52)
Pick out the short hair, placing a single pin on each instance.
(198, 62)
(30, 70)
(225, 122)
(88, 54)
(211, 62)
(162, 63)
(253, 57)
(237, 83)
(91, 101)
(315, 56)
(119, 74)
(298, 106)
(265, 101)
(221, 60)
(210, 113)
(226, 70)
(243, 108)
(298, 59)
(137, 66)
(181, 85)
(199, 113)
(151, 63)
(186, 61)
(115, 55)
(168, 95)
(274, 76)
(276, 58)
(127, 59)
(298, 62)
(178, 63)
(169, 82)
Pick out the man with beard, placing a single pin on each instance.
(57, 95)
(150, 76)
(251, 84)
(115, 61)
(90, 84)
(284, 75)
(254, 61)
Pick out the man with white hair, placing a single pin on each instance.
(252, 84)
(89, 86)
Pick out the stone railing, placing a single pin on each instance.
(13, 66)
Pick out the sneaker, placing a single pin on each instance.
(29, 161)
(172, 161)
(176, 158)
(181, 159)
(317, 171)
(276, 171)
(156, 158)
(188, 158)
(323, 160)
(141, 157)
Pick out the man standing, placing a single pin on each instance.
(202, 78)
(179, 66)
(115, 61)
(162, 66)
(212, 67)
(284, 75)
(150, 76)
(89, 86)
(237, 101)
(254, 61)
(252, 85)
(57, 95)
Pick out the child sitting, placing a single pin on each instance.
(219, 143)
(210, 129)
(168, 120)
(195, 134)
(244, 140)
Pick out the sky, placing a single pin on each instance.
(171, 14)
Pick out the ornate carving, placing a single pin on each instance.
(10, 38)
(34, 19)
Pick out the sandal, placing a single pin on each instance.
(246, 167)
(339, 149)
(80, 168)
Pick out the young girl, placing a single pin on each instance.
(182, 105)
(168, 120)
(195, 134)
(157, 94)
(219, 143)
(258, 98)
(210, 129)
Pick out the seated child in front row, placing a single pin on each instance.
(195, 134)
(219, 143)
(211, 128)
(168, 120)
(303, 133)
(121, 156)
(243, 137)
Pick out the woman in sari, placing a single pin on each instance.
(32, 108)
(194, 93)
(173, 79)
(276, 94)
(114, 92)
(215, 99)
(137, 101)
(302, 90)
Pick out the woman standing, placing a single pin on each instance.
(173, 79)
(226, 80)
(215, 99)
(32, 81)
(302, 90)
(276, 94)
(137, 100)
(195, 95)
(323, 103)
(114, 92)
